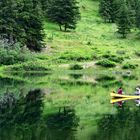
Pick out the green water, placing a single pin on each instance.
(70, 106)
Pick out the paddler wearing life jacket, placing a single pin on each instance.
(137, 92)
(120, 91)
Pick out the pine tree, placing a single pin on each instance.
(45, 4)
(21, 21)
(9, 28)
(65, 13)
(104, 10)
(124, 20)
(137, 10)
(108, 9)
(31, 21)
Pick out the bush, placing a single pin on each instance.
(76, 56)
(130, 77)
(106, 63)
(137, 53)
(121, 52)
(31, 66)
(113, 58)
(105, 78)
(129, 66)
(76, 67)
(11, 54)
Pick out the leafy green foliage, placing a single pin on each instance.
(137, 53)
(30, 66)
(129, 66)
(12, 54)
(113, 58)
(106, 63)
(76, 67)
(76, 56)
(105, 78)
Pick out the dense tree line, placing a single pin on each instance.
(125, 13)
(22, 20)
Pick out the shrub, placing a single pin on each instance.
(31, 66)
(117, 59)
(76, 56)
(106, 63)
(113, 58)
(137, 53)
(105, 78)
(11, 54)
(129, 77)
(121, 52)
(76, 67)
(76, 76)
(129, 66)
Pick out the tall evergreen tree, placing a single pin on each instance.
(137, 10)
(30, 20)
(65, 13)
(124, 20)
(45, 4)
(9, 28)
(104, 11)
(20, 21)
(108, 9)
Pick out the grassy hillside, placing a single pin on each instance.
(93, 40)
(90, 41)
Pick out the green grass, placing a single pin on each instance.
(91, 39)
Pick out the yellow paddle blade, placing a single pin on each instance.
(114, 95)
(119, 100)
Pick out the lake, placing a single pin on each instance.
(67, 106)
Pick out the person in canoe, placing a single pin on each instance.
(137, 92)
(120, 91)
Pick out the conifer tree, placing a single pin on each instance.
(20, 21)
(108, 9)
(124, 20)
(137, 17)
(45, 4)
(31, 21)
(65, 13)
(104, 10)
(9, 28)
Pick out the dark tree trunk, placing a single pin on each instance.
(60, 27)
(65, 27)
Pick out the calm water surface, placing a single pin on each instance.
(67, 107)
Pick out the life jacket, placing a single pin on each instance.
(120, 91)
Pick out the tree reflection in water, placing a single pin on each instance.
(123, 126)
(62, 125)
(24, 120)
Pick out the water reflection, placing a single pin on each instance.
(62, 125)
(124, 125)
(37, 107)
(22, 119)
(120, 101)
